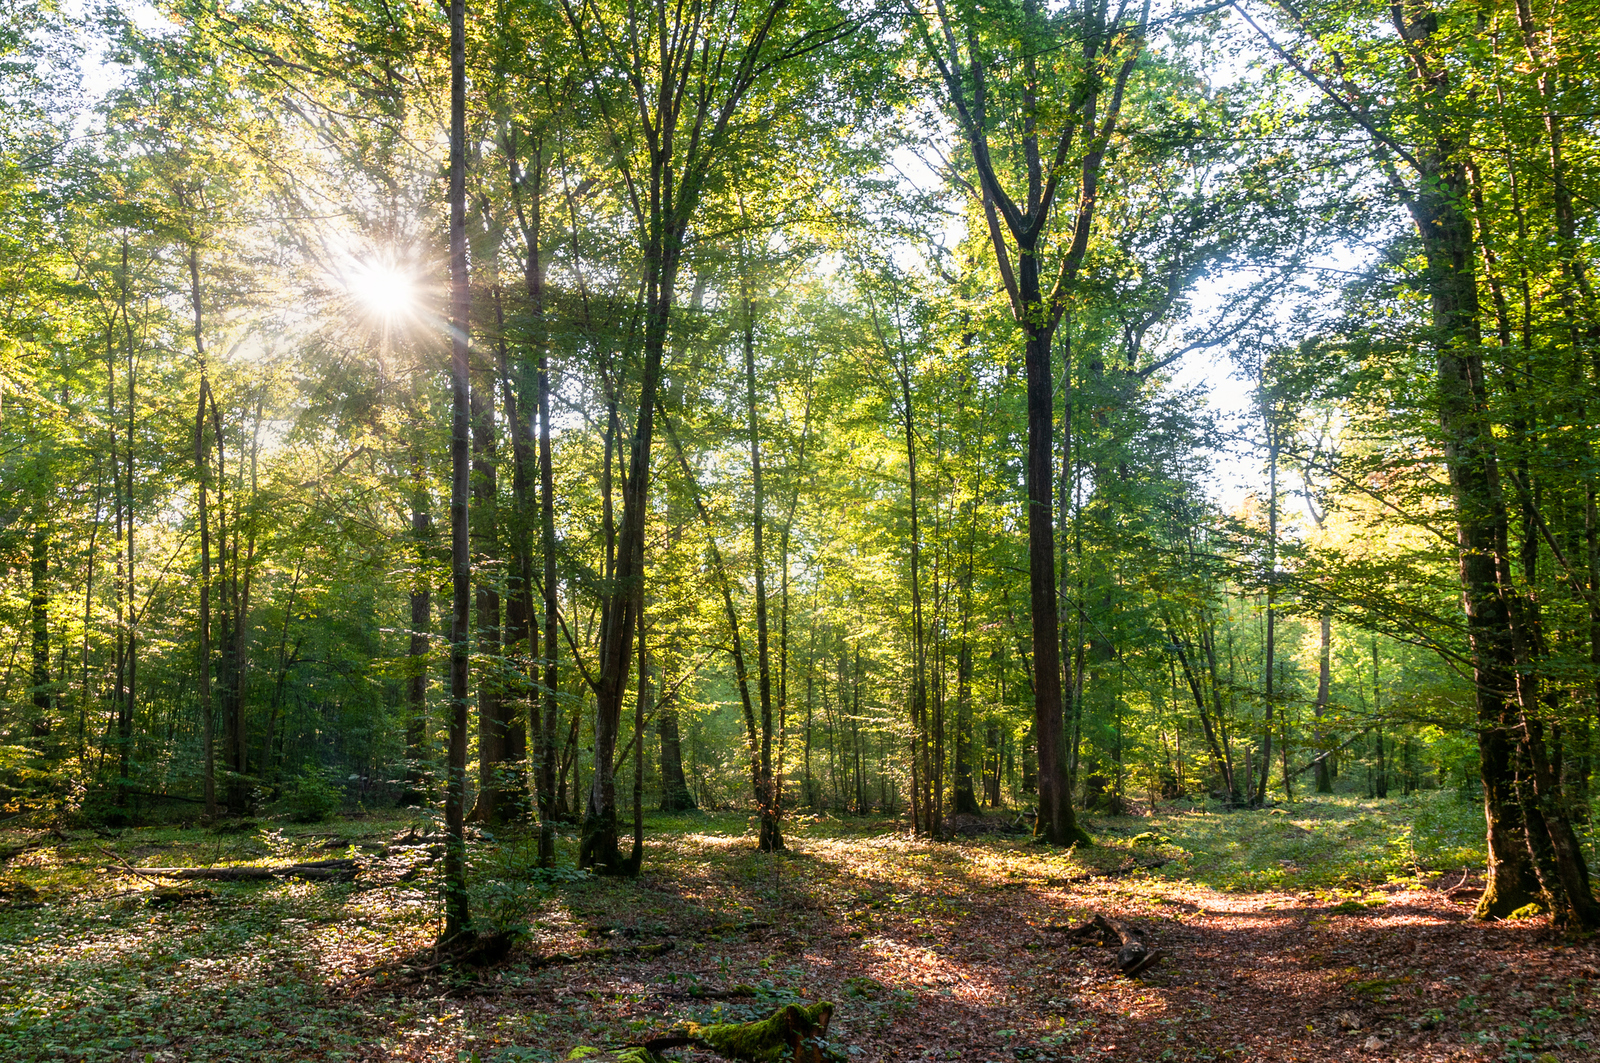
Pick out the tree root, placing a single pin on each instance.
(1135, 953)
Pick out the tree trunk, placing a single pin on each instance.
(548, 795)
(964, 798)
(39, 613)
(641, 710)
(1324, 687)
(767, 797)
(675, 793)
(421, 629)
(1208, 727)
(493, 786)
(457, 915)
(202, 468)
(1270, 669)
(1057, 822)
(741, 670)
(1023, 222)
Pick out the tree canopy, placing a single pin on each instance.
(537, 411)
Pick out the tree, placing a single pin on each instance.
(1047, 147)
(457, 914)
(1421, 146)
(679, 76)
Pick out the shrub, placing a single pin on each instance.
(310, 798)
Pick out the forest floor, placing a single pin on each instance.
(1320, 931)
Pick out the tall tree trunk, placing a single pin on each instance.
(550, 723)
(492, 785)
(39, 615)
(923, 767)
(1271, 665)
(202, 463)
(741, 669)
(86, 694)
(1023, 222)
(457, 914)
(1481, 520)
(767, 797)
(131, 694)
(126, 650)
(698, 79)
(1324, 687)
(116, 521)
(421, 625)
(522, 407)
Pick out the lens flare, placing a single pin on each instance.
(385, 291)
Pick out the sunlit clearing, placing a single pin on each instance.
(384, 290)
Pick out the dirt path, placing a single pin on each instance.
(970, 974)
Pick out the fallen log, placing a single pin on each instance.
(792, 1034)
(59, 838)
(343, 870)
(1135, 953)
(563, 959)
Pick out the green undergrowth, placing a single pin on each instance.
(93, 966)
(1319, 842)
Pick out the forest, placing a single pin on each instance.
(780, 529)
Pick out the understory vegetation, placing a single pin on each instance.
(927, 950)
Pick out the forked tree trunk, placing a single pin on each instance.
(1022, 223)
(202, 465)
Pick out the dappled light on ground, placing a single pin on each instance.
(929, 950)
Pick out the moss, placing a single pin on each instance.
(636, 1054)
(1527, 911)
(791, 1034)
(1377, 986)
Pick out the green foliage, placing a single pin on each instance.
(309, 797)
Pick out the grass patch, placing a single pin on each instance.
(1317, 843)
(95, 965)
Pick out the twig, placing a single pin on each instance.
(127, 866)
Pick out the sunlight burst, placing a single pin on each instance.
(384, 290)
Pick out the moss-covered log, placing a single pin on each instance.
(791, 1034)
(633, 1054)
